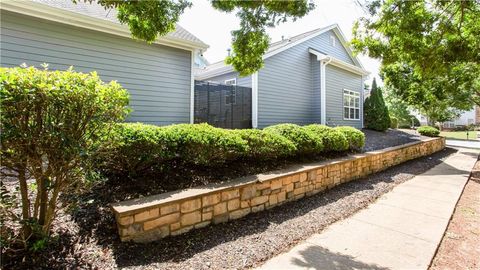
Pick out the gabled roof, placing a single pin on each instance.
(220, 67)
(76, 14)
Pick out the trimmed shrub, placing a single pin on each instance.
(333, 140)
(355, 137)
(203, 144)
(393, 122)
(265, 145)
(428, 131)
(49, 123)
(305, 141)
(134, 149)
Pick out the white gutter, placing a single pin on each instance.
(323, 89)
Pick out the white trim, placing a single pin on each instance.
(255, 100)
(355, 95)
(46, 12)
(192, 89)
(362, 100)
(323, 94)
(338, 63)
(232, 79)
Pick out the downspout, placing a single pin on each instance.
(323, 89)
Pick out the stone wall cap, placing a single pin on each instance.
(135, 205)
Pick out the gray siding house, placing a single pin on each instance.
(159, 76)
(309, 78)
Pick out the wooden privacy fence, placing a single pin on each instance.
(225, 106)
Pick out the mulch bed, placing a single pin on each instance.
(85, 235)
(460, 246)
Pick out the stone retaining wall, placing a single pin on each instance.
(151, 218)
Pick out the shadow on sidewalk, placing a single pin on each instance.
(316, 257)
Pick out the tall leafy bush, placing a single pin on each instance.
(375, 111)
(49, 121)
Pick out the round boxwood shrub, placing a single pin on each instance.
(266, 145)
(203, 144)
(355, 137)
(305, 141)
(333, 140)
(428, 131)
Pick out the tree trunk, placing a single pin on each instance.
(26, 230)
(43, 201)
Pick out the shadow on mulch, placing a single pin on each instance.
(96, 223)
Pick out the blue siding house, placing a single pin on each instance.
(159, 76)
(309, 78)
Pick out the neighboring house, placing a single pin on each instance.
(471, 117)
(309, 78)
(158, 76)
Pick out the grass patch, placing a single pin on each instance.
(459, 135)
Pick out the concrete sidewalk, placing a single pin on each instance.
(401, 230)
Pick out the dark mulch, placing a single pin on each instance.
(378, 140)
(87, 236)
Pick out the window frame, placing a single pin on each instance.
(355, 95)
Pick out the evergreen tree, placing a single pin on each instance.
(375, 111)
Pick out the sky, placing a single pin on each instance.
(213, 27)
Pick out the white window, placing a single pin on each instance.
(351, 105)
(231, 81)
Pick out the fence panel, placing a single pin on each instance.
(225, 106)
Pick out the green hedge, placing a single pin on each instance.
(265, 145)
(355, 137)
(333, 140)
(305, 141)
(428, 131)
(139, 150)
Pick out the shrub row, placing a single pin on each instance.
(428, 131)
(135, 149)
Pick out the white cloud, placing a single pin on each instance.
(213, 27)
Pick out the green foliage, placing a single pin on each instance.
(355, 137)
(393, 122)
(149, 19)
(428, 131)
(430, 50)
(333, 139)
(49, 122)
(305, 141)
(375, 111)
(133, 149)
(265, 145)
(203, 144)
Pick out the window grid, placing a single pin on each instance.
(351, 105)
(232, 98)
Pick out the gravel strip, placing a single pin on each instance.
(375, 140)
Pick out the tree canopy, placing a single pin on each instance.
(149, 19)
(430, 50)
